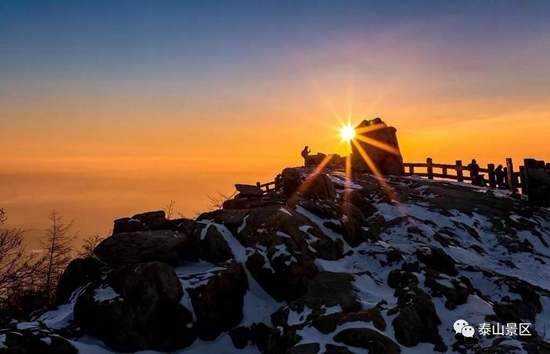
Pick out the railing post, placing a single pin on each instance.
(523, 180)
(510, 174)
(430, 168)
(459, 171)
(411, 170)
(527, 165)
(444, 171)
(492, 179)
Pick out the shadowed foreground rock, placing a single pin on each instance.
(143, 246)
(377, 269)
(78, 273)
(138, 309)
(291, 181)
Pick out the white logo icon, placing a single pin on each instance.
(468, 331)
(459, 325)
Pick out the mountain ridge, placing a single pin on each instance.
(331, 266)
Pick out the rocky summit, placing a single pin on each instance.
(383, 266)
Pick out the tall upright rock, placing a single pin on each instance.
(379, 142)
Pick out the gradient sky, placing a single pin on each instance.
(157, 93)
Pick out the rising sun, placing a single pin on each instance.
(347, 132)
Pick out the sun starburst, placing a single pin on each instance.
(347, 133)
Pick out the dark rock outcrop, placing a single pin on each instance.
(417, 320)
(213, 248)
(291, 181)
(218, 304)
(144, 246)
(79, 272)
(436, 259)
(137, 308)
(319, 186)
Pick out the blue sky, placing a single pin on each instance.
(132, 40)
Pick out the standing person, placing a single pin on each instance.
(500, 175)
(305, 154)
(473, 167)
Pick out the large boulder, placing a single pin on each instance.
(218, 304)
(148, 221)
(280, 246)
(435, 258)
(417, 320)
(355, 228)
(362, 201)
(388, 160)
(319, 186)
(79, 272)
(456, 291)
(291, 181)
(144, 246)
(283, 246)
(213, 247)
(346, 220)
(137, 308)
(330, 303)
(326, 290)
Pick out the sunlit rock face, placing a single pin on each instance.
(379, 143)
(338, 266)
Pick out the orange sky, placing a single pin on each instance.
(106, 115)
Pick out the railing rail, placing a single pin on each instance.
(513, 179)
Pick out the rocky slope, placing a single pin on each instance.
(384, 267)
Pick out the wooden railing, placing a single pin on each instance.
(513, 179)
(265, 187)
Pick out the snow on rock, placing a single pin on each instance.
(27, 325)
(446, 251)
(106, 294)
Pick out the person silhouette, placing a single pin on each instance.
(500, 175)
(473, 167)
(477, 179)
(305, 154)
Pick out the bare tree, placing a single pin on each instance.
(58, 247)
(90, 243)
(18, 268)
(169, 209)
(20, 292)
(216, 202)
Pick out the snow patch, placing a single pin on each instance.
(295, 318)
(105, 293)
(285, 211)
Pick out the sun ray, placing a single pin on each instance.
(347, 189)
(385, 186)
(370, 128)
(310, 179)
(378, 144)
